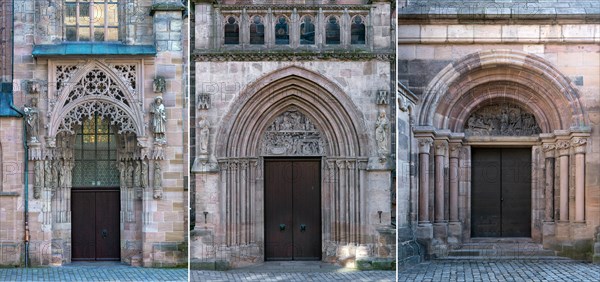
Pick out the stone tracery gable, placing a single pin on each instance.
(293, 134)
(501, 120)
(96, 82)
(84, 89)
(104, 109)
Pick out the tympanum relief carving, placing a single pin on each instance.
(293, 134)
(501, 120)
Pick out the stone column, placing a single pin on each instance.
(563, 152)
(549, 153)
(440, 153)
(579, 144)
(424, 146)
(454, 155)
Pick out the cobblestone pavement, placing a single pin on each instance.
(292, 271)
(501, 270)
(97, 271)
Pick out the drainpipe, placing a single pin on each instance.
(26, 159)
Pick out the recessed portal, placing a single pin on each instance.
(501, 193)
(292, 209)
(95, 199)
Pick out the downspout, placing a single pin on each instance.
(26, 159)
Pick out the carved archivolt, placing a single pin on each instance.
(293, 134)
(501, 120)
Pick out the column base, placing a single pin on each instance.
(548, 233)
(455, 233)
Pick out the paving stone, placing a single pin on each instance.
(96, 271)
(501, 270)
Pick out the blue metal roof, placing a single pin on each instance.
(7, 109)
(66, 49)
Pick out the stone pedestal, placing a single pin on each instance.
(205, 163)
(562, 230)
(548, 233)
(454, 233)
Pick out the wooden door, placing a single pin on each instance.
(501, 192)
(292, 209)
(95, 224)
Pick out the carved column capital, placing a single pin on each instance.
(440, 148)
(424, 145)
(563, 147)
(454, 150)
(549, 150)
(579, 144)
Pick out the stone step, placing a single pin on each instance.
(511, 252)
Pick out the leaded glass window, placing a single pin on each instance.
(91, 20)
(95, 154)
(232, 31)
(282, 33)
(257, 31)
(332, 31)
(357, 31)
(307, 31)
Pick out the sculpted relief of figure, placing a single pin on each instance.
(293, 134)
(157, 191)
(381, 127)
(32, 118)
(159, 85)
(501, 120)
(159, 119)
(203, 125)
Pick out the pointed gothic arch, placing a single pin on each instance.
(100, 87)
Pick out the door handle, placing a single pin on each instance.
(281, 227)
(302, 227)
(104, 233)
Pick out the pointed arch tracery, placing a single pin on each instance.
(110, 90)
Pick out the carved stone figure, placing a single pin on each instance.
(129, 174)
(39, 179)
(48, 173)
(203, 125)
(293, 134)
(203, 102)
(136, 174)
(382, 97)
(144, 174)
(157, 191)
(123, 173)
(159, 119)
(159, 85)
(501, 120)
(32, 118)
(381, 127)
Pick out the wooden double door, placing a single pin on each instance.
(95, 228)
(292, 209)
(501, 192)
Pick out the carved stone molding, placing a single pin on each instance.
(549, 150)
(563, 147)
(203, 102)
(454, 150)
(501, 120)
(293, 134)
(104, 109)
(440, 148)
(579, 144)
(290, 56)
(425, 145)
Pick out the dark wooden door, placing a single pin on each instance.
(501, 192)
(95, 224)
(292, 209)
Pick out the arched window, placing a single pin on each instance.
(96, 20)
(357, 31)
(332, 31)
(232, 31)
(282, 32)
(95, 154)
(257, 31)
(307, 31)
